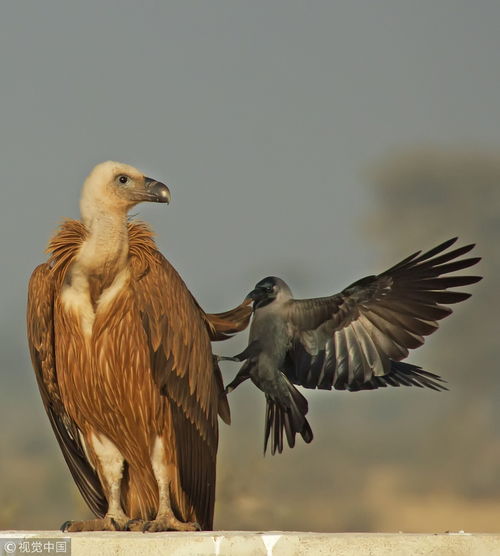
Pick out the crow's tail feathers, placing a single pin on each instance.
(286, 416)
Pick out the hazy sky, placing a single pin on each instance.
(262, 116)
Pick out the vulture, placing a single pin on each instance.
(122, 356)
(354, 340)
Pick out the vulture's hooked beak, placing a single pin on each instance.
(156, 191)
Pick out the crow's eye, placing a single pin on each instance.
(123, 179)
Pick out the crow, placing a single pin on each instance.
(354, 340)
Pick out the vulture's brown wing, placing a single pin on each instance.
(41, 343)
(187, 375)
(224, 325)
(355, 340)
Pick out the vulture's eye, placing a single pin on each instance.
(123, 179)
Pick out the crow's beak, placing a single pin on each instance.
(256, 294)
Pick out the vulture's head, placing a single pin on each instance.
(268, 290)
(117, 187)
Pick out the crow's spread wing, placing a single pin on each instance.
(356, 340)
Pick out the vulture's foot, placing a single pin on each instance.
(135, 525)
(107, 523)
(169, 523)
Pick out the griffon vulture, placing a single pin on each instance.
(122, 356)
(354, 340)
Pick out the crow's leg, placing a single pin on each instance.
(251, 350)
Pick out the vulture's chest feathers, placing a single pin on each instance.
(103, 364)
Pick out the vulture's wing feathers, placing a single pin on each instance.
(187, 375)
(356, 339)
(41, 344)
(224, 325)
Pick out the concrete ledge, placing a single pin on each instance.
(271, 543)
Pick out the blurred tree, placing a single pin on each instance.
(421, 197)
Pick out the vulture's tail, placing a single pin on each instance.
(288, 417)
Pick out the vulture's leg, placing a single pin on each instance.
(165, 519)
(110, 467)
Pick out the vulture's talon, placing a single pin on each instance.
(134, 525)
(64, 527)
(169, 523)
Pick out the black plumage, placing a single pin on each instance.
(354, 340)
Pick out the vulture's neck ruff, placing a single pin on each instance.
(100, 270)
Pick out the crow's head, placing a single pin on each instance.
(268, 290)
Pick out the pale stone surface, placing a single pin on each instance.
(272, 543)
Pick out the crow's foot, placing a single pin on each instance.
(226, 358)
